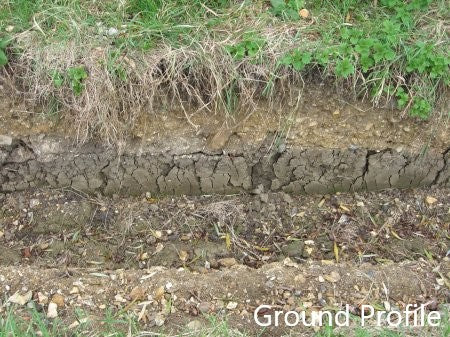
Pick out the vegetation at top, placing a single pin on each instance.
(386, 49)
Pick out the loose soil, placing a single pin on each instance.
(206, 252)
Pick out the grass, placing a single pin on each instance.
(34, 324)
(103, 62)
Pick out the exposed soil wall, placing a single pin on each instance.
(166, 168)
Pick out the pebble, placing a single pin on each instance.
(112, 31)
(194, 325)
(430, 200)
(227, 262)
(9, 29)
(204, 307)
(5, 140)
(52, 311)
(21, 299)
(232, 305)
(159, 319)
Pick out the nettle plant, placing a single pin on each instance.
(287, 9)
(74, 76)
(250, 46)
(3, 57)
(378, 53)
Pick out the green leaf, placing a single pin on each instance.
(4, 43)
(3, 58)
(366, 62)
(344, 68)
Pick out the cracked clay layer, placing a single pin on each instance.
(30, 163)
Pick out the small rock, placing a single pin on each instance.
(5, 140)
(119, 298)
(300, 278)
(137, 293)
(34, 203)
(169, 287)
(286, 197)
(74, 291)
(112, 31)
(153, 207)
(52, 311)
(333, 277)
(42, 299)
(58, 299)
(204, 307)
(304, 13)
(259, 189)
(159, 319)
(430, 200)
(21, 299)
(227, 262)
(232, 305)
(368, 126)
(9, 29)
(159, 293)
(289, 263)
(399, 149)
(321, 279)
(194, 325)
(406, 129)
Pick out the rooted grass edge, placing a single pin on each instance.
(222, 58)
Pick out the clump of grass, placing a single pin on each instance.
(105, 63)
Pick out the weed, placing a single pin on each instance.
(76, 76)
(297, 59)
(3, 58)
(344, 68)
(57, 78)
(288, 10)
(249, 47)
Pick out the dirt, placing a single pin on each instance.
(164, 168)
(281, 244)
(321, 119)
(67, 226)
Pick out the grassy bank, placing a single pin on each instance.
(100, 62)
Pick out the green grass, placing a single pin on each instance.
(221, 55)
(34, 324)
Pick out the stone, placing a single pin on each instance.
(194, 325)
(227, 262)
(5, 140)
(52, 311)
